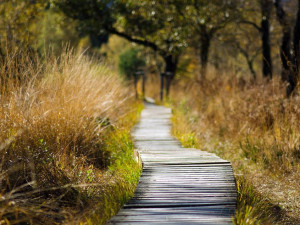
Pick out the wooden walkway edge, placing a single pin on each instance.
(178, 185)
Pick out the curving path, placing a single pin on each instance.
(178, 185)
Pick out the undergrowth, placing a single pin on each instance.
(66, 152)
(253, 125)
(252, 207)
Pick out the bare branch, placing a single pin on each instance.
(252, 24)
(146, 43)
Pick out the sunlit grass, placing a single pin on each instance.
(253, 125)
(65, 143)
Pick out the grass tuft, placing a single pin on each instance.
(251, 124)
(65, 143)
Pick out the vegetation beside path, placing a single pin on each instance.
(257, 130)
(66, 151)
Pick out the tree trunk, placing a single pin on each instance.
(266, 6)
(297, 40)
(204, 52)
(144, 77)
(250, 65)
(285, 49)
(293, 78)
(248, 58)
(285, 55)
(135, 85)
(169, 77)
(170, 70)
(162, 77)
(2, 55)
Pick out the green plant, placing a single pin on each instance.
(130, 62)
(252, 208)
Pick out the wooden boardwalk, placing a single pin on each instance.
(178, 185)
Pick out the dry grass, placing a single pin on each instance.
(251, 124)
(60, 128)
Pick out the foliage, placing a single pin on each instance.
(35, 26)
(134, 21)
(17, 18)
(111, 49)
(169, 27)
(130, 62)
(54, 31)
(208, 19)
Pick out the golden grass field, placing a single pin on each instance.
(253, 125)
(66, 152)
(67, 156)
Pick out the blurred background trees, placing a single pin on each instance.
(131, 64)
(17, 23)
(252, 38)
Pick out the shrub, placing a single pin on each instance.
(54, 127)
(130, 62)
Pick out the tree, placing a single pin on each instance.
(285, 48)
(17, 18)
(54, 30)
(290, 61)
(244, 43)
(294, 77)
(129, 64)
(205, 19)
(153, 24)
(266, 8)
(297, 40)
(249, 17)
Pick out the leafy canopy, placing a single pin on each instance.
(154, 24)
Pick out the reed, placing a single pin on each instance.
(252, 124)
(58, 120)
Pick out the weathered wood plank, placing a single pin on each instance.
(178, 185)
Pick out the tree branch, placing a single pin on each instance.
(252, 24)
(146, 43)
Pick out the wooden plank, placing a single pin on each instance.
(178, 185)
(199, 209)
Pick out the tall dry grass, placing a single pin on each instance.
(252, 124)
(256, 116)
(55, 116)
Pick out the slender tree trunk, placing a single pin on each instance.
(135, 85)
(293, 79)
(162, 77)
(2, 56)
(169, 78)
(297, 40)
(248, 58)
(170, 70)
(285, 49)
(144, 77)
(204, 53)
(250, 65)
(285, 55)
(266, 6)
